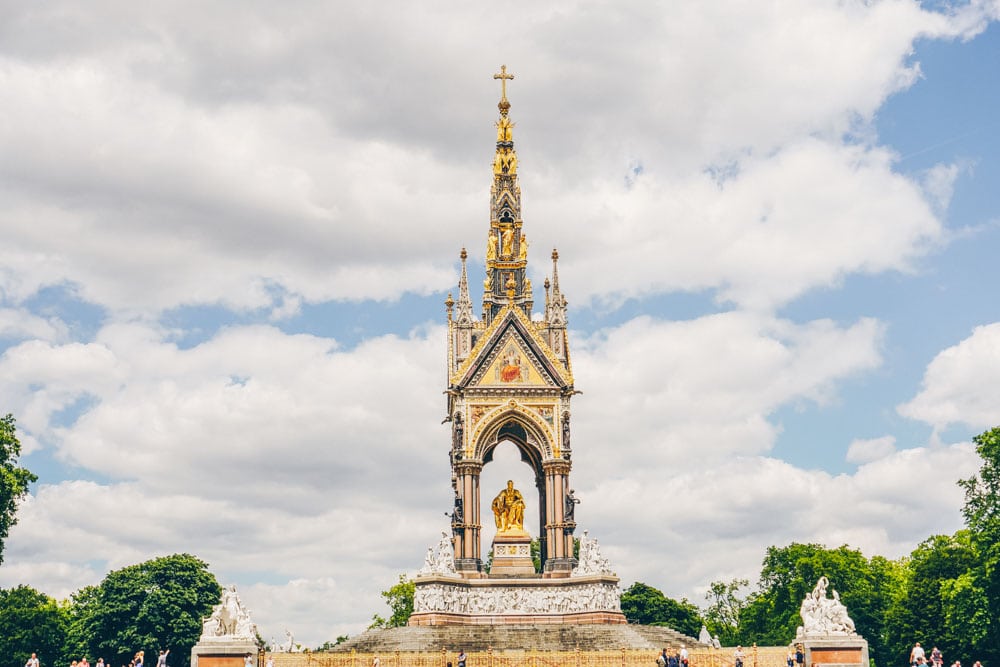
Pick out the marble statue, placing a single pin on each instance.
(822, 615)
(500, 600)
(229, 619)
(704, 637)
(439, 559)
(591, 561)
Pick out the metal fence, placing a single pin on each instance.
(755, 656)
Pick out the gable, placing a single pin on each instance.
(510, 355)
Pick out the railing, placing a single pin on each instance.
(754, 656)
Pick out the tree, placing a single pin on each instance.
(400, 601)
(646, 605)
(722, 616)
(772, 615)
(14, 480)
(982, 517)
(31, 622)
(154, 605)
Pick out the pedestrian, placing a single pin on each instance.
(376, 662)
(800, 656)
(99, 663)
(790, 659)
(161, 660)
(32, 661)
(661, 659)
(916, 653)
(738, 656)
(270, 661)
(684, 656)
(461, 658)
(247, 661)
(936, 658)
(673, 660)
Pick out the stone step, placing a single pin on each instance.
(542, 637)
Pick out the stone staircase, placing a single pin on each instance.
(542, 637)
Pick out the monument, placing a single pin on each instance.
(510, 380)
(227, 635)
(827, 634)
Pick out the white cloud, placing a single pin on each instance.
(961, 384)
(872, 449)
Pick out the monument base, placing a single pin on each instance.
(512, 556)
(835, 650)
(453, 600)
(226, 653)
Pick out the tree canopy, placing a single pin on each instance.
(31, 622)
(642, 603)
(158, 604)
(14, 479)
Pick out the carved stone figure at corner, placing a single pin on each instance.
(570, 509)
(823, 616)
(229, 619)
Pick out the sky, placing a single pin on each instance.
(227, 231)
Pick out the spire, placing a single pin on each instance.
(464, 303)
(507, 246)
(555, 302)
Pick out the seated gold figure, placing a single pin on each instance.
(508, 509)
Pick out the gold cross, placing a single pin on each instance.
(503, 76)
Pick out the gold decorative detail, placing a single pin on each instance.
(523, 254)
(508, 510)
(508, 242)
(504, 78)
(491, 246)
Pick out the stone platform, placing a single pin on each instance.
(545, 637)
(452, 600)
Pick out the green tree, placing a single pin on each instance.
(725, 604)
(31, 622)
(14, 480)
(646, 605)
(158, 604)
(771, 615)
(936, 579)
(400, 601)
(982, 517)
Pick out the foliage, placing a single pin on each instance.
(771, 615)
(31, 622)
(920, 610)
(646, 605)
(982, 517)
(722, 616)
(154, 605)
(400, 601)
(14, 480)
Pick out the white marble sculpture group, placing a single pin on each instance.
(823, 616)
(230, 620)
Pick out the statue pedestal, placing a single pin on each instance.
(222, 652)
(834, 650)
(512, 556)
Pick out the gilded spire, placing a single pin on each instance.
(507, 247)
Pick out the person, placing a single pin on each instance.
(461, 653)
(673, 660)
(738, 656)
(790, 659)
(936, 658)
(800, 656)
(376, 662)
(139, 658)
(247, 661)
(270, 661)
(916, 653)
(99, 663)
(161, 660)
(83, 662)
(32, 661)
(661, 659)
(683, 653)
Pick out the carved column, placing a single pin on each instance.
(468, 560)
(559, 541)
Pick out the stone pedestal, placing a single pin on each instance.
(835, 651)
(222, 653)
(512, 556)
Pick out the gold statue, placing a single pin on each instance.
(491, 246)
(523, 254)
(508, 509)
(507, 238)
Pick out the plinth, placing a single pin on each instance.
(222, 652)
(512, 555)
(835, 650)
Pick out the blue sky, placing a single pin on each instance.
(228, 242)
